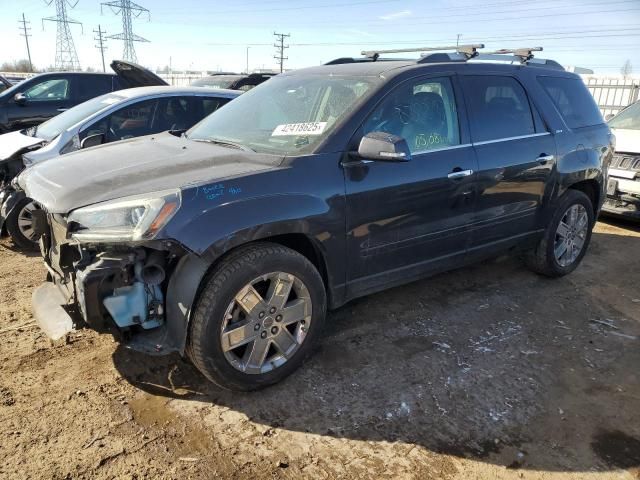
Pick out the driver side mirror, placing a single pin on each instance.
(384, 147)
(92, 140)
(20, 98)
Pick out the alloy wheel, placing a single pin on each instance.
(25, 221)
(571, 235)
(266, 323)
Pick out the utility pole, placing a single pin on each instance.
(100, 46)
(248, 59)
(281, 47)
(458, 39)
(66, 56)
(126, 8)
(26, 36)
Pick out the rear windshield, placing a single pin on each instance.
(573, 100)
(629, 118)
(220, 81)
(54, 127)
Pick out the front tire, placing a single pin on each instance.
(566, 238)
(19, 225)
(257, 317)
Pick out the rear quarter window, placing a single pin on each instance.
(573, 100)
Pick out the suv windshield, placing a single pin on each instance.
(629, 118)
(286, 115)
(54, 127)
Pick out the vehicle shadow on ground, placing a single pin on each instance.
(489, 362)
(6, 244)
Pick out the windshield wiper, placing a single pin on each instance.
(224, 143)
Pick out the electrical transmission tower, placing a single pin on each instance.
(26, 36)
(101, 44)
(66, 56)
(280, 48)
(127, 8)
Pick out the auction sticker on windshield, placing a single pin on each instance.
(311, 128)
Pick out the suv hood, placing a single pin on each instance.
(135, 75)
(627, 141)
(15, 142)
(131, 167)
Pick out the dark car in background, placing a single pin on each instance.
(325, 184)
(233, 81)
(4, 83)
(115, 116)
(43, 96)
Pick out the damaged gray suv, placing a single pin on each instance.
(230, 243)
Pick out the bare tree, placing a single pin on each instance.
(626, 69)
(19, 66)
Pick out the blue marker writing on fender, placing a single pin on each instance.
(214, 191)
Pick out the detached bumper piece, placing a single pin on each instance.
(52, 318)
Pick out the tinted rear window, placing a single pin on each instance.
(498, 107)
(90, 86)
(573, 100)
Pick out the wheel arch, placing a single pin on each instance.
(192, 272)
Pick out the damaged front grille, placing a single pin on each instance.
(625, 161)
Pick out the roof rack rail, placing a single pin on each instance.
(468, 51)
(525, 53)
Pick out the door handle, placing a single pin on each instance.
(545, 158)
(62, 109)
(460, 174)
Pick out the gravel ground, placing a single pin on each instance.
(485, 372)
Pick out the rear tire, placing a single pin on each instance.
(17, 225)
(257, 318)
(566, 238)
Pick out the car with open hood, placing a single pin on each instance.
(112, 117)
(623, 189)
(228, 244)
(43, 96)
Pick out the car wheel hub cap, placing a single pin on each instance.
(571, 235)
(25, 220)
(266, 323)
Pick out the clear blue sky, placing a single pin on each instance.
(211, 35)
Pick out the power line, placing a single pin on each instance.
(66, 56)
(26, 36)
(281, 47)
(101, 44)
(126, 8)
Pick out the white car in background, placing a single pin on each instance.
(119, 115)
(623, 189)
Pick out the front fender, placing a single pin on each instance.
(210, 231)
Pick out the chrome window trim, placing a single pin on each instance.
(450, 147)
(508, 139)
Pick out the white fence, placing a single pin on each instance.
(612, 94)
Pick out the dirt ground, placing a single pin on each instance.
(488, 372)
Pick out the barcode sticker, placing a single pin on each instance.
(312, 128)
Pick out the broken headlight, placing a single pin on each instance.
(128, 219)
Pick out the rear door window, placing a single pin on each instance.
(498, 107)
(90, 86)
(210, 105)
(573, 101)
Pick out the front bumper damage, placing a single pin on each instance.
(117, 288)
(623, 188)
